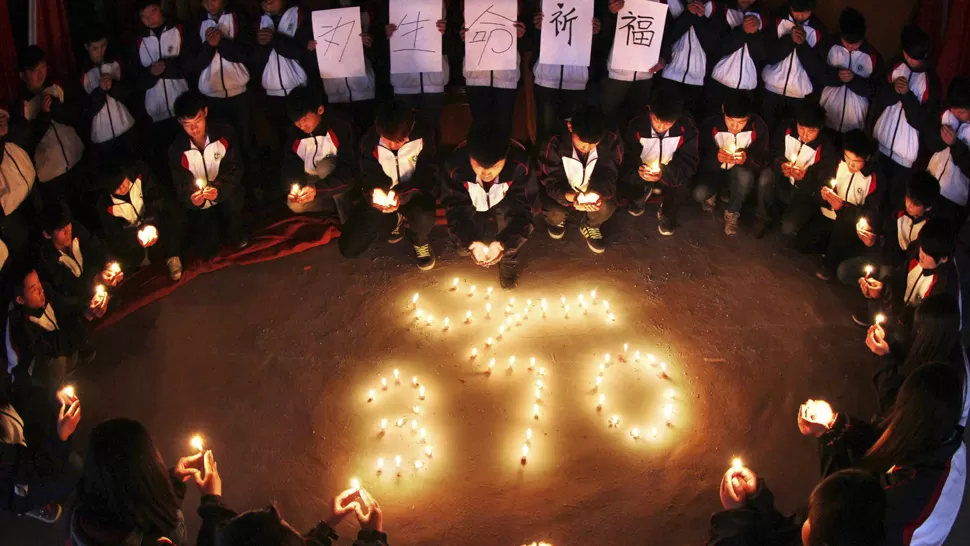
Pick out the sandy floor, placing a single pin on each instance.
(273, 363)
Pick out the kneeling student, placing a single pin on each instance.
(398, 178)
(801, 151)
(734, 147)
(488, 177)
(71, 259)
(580, 164)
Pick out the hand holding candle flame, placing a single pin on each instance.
(67, 396)
(650, 171)
(112, 274)
(588, 201)
(147, 235)
(385, 201)
(738, 483)
(876, 337)
(99, 302)
(815, 418)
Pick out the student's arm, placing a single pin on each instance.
(64, 111)
(372, 175)
(182, 179)
(708, 147)
(758, 151)
(811, 60)
(518, 210)
(757, 42)
(425, 177)
(293, 170)
(779, 48)
(929, 133)
(175, 67)
(198, 53)
(677, 27)
(238, 49)
(830, 74)
(607, 171)
(960, 154)
(551, 174)
(63, 341)
(684, 163)
(862, 85)
(215, 516)
(345, 173)
(295, 47)
(121, 87)
(459, 209)
(758, 523)
(230, 175)
(916, 110)
(844, 445)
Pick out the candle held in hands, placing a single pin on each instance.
(196, 443)
(146, 234)
(199, 183)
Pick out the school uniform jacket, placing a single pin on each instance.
(16, 177)
(324, 158)
(512, 191)
(793, 70)
(55, 145)
(897, 119)
(740, 55)
(409, 170)
(119, 216)
(72, 272)
(164, 43)
(279, 62)
(562, 170)
(753, 138)
(22, 464)
(900, 234)
(222, 72)
(812, 156)
(861, 191)
(756, 523)
(105, 111)
(675, 152)
(949, 164)
(218, 163)
(847, 104)
(689, 42)
(55, 330)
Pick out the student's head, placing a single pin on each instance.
(96, 43)
(214, 7)
(191, 112)
(265, 527)
(809, 120)
(922, 191)
(394, 121)
(937, 243)
(33, 67)
(4, 120)
(150, 13)
(125, 484)
(936, 332)
(916, 46)
(487, 147)
(845, 509)
(745, 4)
(587, 127)
(118, 177)
(924, 417)
(857, 148)
(304, 108)
(958, 98)
(273, 6)
(737, 110)
(55, 223)
(30, 292)
(852, 28)
(801, 10)
(665, 109)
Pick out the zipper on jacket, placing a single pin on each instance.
(421, 79)
(791, 65)
(67, 163)
(107, 106)
(17, 166)
(892, 143)
(168, 107)
(562, 75)
(848, 191)
(350, 92)
(689, 48)
(911, 291)
(845, 95)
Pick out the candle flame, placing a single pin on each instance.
(354, 483)
(196, 443)
(736, 464)
(880, 318)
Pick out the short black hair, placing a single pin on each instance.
(301, 101)
(859, 143)
(810, 114)
(19, 274)
(801, 5)
(937, 238)
(264, 527)
(189, 104)
(93, 33)
(588, 124)
(666, 104)
(847, 509)
(737, 104)
(923, 188)
(852, 25)
(30, 57)
(55, 216)
(142, 4)
(487, 144)
(958, 94)
(915, 42)
(393, 119)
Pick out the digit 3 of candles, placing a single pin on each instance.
(406, 448)
(649, 427)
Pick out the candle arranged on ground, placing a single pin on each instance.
(196, 443)
(354, 484)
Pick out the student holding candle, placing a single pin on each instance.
(579, 169)
(946, 135)
(69, 258)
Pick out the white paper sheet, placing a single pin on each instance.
(416, 44)
(491, 41)
(639, 32)
(340, 53)
(567, 32)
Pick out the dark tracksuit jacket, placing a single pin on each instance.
(166, 43)
(739, 56)
(221, 72)
(56, 330)
(468, 201)
(219, 163)
(563, 170)
(306, 159)
(23, 466)
(122, 217)
(676, 152)
(757, 523)
(948, 164)
(690, 45)
(50, 138)
(909, 284)
(897, 237)
(410, 171)
(861, 191)
(847, 104)
(895, 120)
(922, 496)
(815, 156)
(72, 273)
(106, 113)
(714, 136)
(281, 64)
(216, 515)
(793, 70)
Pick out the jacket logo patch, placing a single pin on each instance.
(171, 49)
(860, 191)
(217, 155)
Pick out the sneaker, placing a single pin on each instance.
(666, 225)
(731, 222)
(860, 321)
(594, 238)
(824, 273)
(174, 268)
(556, 231)
(760, 228)
(49, 513)
(508, 275)
(709, 204)
(426, 259)
(398, 233)
(637, 208)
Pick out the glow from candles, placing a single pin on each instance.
(99, 290)
(511, 361)
(294, 189)
(196, 443)
(488, 291)
(488, 308)
(592, 294)
(599, 380)
(525, 451)
(542, 371)
(468, 316)
(863, 224)
(653, 432)
(489, 341)
(417, 411)
(68, 392)
(383, 425)
(528, 434)
(602, 401)
(636, 356)
(427, 451)
(447, 323)
(669, 394)
(384, 383)
(422, 434)
(606, 305)
(397, 461)
(532, 363)
(501, 330)
(491, 365)
(540, 384)
(538, 394)
(868, 271)
(607, 358)
(454, 283)
(199, 183)
(380, 465)
(635, 433)
(429, 320)
(474, 352)
(880, 318)
(535, 410)
(508, 321)
(612, 317)
(370, 395)
(832, 183)
(668, 412)
(397, 374)
(418, 313)
(114, 268)
(471, 290)
(563, 300)
(400, 422)
(651, 359)
(418, 464)
(421, 392)
(615, 420)
(354, 483)
(602, 368)
(414, 425)
(626, 346)
(543, 304)
(414, 300)
(736, 464)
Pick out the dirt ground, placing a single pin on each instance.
(273, 363)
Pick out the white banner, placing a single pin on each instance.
(490, 39)
(567, 32)
(639, 31)
(340, 53)
(416, 44)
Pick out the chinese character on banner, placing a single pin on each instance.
(566, 32)
(416, 44)
(490, 38)
(340, 53)
(639, 34)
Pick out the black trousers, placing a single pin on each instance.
(361, 112)
(622, 100)
(639, 190)
(209, 228)
(896, 175)
(428, 106)
(238, 112)
(72, 188)
(553, 106)
(157, 138)
(555, 214)
(837, 239)
(491, 105)
(775, 108)
(171, 228)
(693, 96)
(366, 224)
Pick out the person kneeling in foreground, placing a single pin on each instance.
(398, 177)
(847, 509)
(488, 176)
(580, 166)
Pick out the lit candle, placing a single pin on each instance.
(422, 434)
(868, 271)
(540, 384)
(418, 464)
(602, 367)
(651, 359)
(614, 421)
(528, 304)
(508, 310)
(863, 224)
(421, 392)
(294, 189)
(508, 321)
(535, 411)
(511, 301)
(400, 422)
(542, 371)
(454, 284)
(668, 412)
(370, 396)
(414, 300)
(528, 434)
(525, 453)
(488, 292)
(543, 304)
(67, 393)
(199, 183)
(518, 319)
(114, 268)
(636, 356)
(602, 401)
(612, 317)
(196, 443)
(562, 300)
(146, 234)
(511, 362)
(418, 314)
(599, 381)
(532, 363)
(488, 310)
(414, 423)
(567, 312)
(607, 358)
(354, 483)
(397, 461)
(384, 383)
(417, 411)
(383, 425)
(447, 323)
(880, 318)
(736, 464)
(635, 433)
(653, 432)
(427, 451)
(397, 376)
(468, 317)
(501, 330)
(488, 341)
(626, 346)
(429, 320)
(663, 370)
(592, 294)
(99, 291)
(538, 394)
(471, 291)
(491, 365)
(669, 394)
(819, 411)
(474, 352)
(606, 305)
(380, 465)
(832, 183)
